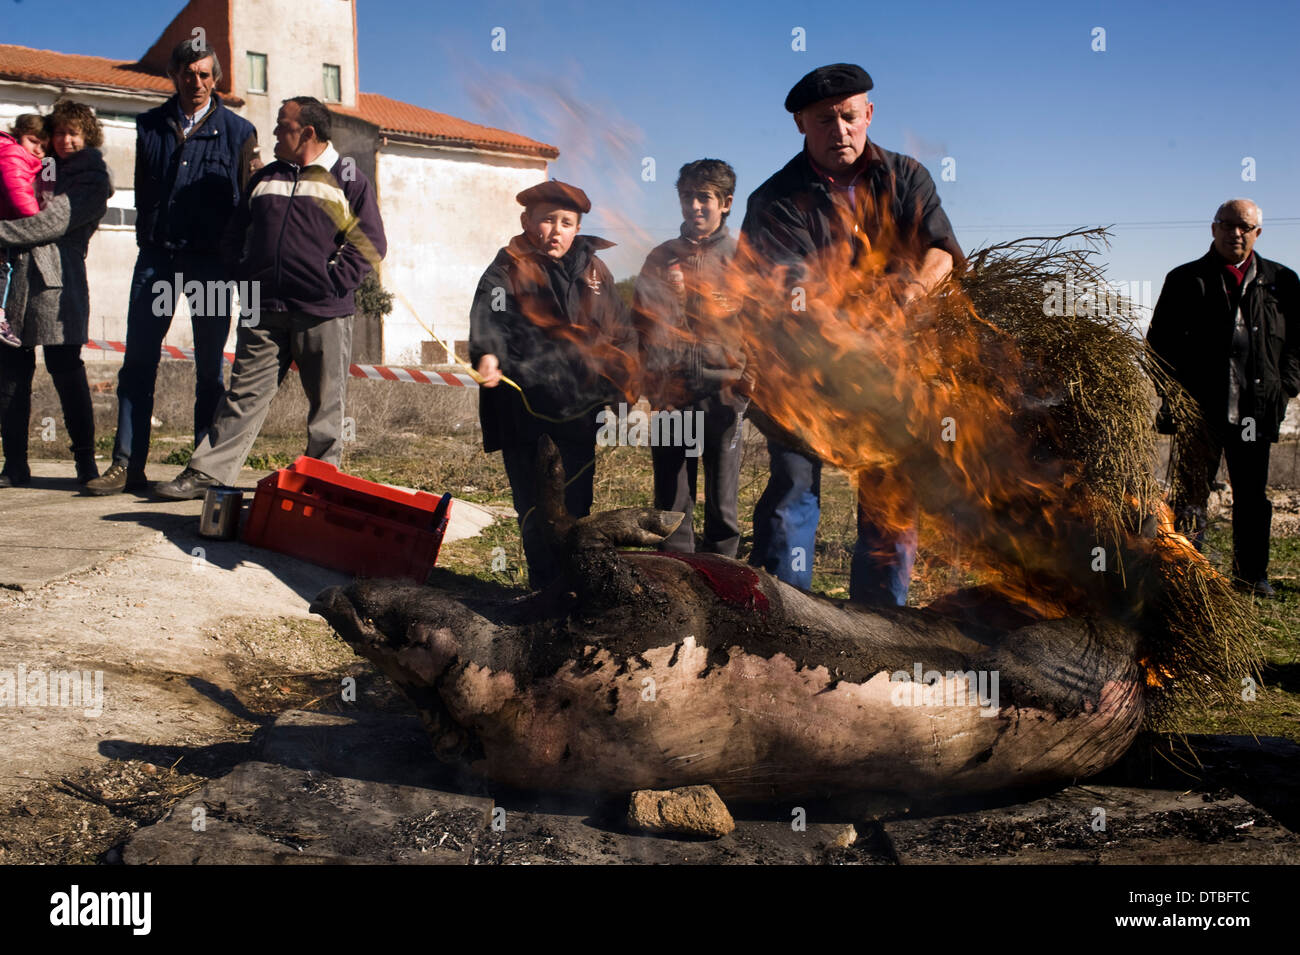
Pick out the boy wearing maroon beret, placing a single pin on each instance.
(546, 315)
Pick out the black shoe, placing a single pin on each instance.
(13, 476)
(1256, 588)
(186, 486)
(115, 480)
(87, 469)
(1261, 588)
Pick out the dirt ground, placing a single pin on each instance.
(189, 657)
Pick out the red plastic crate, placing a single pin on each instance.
(312, 511)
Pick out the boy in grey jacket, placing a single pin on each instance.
(683, 311)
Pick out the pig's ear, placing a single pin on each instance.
(626, 527)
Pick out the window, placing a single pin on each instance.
(116, 219)
(121, 211)
(333, 87)
(257, 72)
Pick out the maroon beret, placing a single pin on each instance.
(559, 193)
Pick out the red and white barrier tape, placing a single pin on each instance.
(377, 372)
(168, 351)
(454, 378)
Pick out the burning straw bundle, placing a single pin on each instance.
(1015, 407)
(1083, 358)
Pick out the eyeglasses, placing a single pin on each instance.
(1241, 227)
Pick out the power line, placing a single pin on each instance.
(1152, 224)
(1270, 222)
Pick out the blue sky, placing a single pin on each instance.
(1046, 132)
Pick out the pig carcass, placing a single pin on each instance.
(647, 670)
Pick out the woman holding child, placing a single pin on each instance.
(48, 300)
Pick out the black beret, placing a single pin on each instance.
(838, 79)
(560, 193)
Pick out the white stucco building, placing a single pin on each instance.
(434, 173)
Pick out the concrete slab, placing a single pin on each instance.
(367, 788)
(469, 519)
(50, 530)
(266, 813)
(1265, 770)
(1100, 824)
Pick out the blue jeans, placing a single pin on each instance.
(785, 534)
(145, 331)
(882, 563)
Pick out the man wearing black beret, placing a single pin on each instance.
(843, 193)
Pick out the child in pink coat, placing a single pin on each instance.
(22, 151)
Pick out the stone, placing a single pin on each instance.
(690, 810)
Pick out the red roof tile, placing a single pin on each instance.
(395, 117)
(25, 64)
(70, 69)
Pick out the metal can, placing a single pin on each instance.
(221, 509)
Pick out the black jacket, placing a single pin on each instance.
(688, 340)
(187, 189)
(793, 220)
(1191, 330)
(560, 330)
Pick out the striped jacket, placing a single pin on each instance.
(308, 235)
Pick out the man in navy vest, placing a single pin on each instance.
(193, 158)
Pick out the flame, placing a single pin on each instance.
(924, 403)
(1156, 676)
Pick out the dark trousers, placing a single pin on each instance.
(785, 533)
(579, 459)
(17, 370)
(1252, 514)
(718, 445)
(148, 318)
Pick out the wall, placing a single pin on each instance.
(446, 213)
(298, 38)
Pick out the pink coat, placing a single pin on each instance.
(18, 172)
